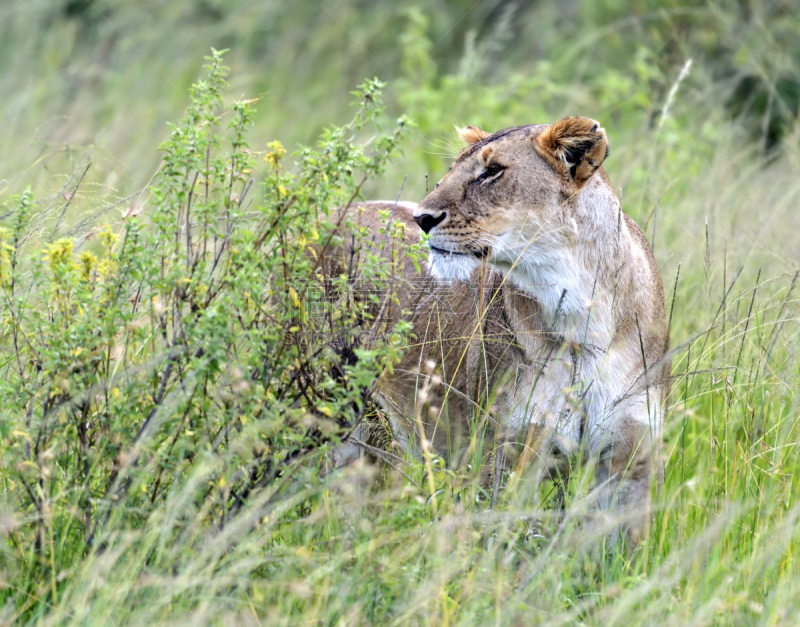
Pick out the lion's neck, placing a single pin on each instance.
(573, 285)
(557, 284)
(566, 299)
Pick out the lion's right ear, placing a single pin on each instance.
(471, 134)
(574, 146)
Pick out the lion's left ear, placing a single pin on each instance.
(471, 134)
(574, 146)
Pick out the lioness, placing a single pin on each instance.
(546, 321)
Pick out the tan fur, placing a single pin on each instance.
(544, 321)
(471, 134)
(574, 146)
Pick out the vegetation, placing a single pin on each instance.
(177, 364)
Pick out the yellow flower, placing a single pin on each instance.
(5, 254)
(275, 154)
(88, 262)
(59, 254)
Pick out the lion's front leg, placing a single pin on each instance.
(625, 500)
(626, 468)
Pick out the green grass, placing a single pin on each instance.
(712, 179)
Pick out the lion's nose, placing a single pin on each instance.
(427, 222)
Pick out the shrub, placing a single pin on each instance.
(201, 353)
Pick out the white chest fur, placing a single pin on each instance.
(579, 379)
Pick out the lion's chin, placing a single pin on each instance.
(451, 267)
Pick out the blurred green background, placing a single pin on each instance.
(105, 76)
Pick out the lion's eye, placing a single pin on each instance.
(491, 172)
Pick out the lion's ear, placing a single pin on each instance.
(471, 134)
(574, 146)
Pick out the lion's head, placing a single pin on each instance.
(507, 197)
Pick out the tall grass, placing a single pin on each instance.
(364, 544)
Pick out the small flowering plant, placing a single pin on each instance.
(199, 351)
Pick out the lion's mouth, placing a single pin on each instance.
(480, 253)
(442, 251)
